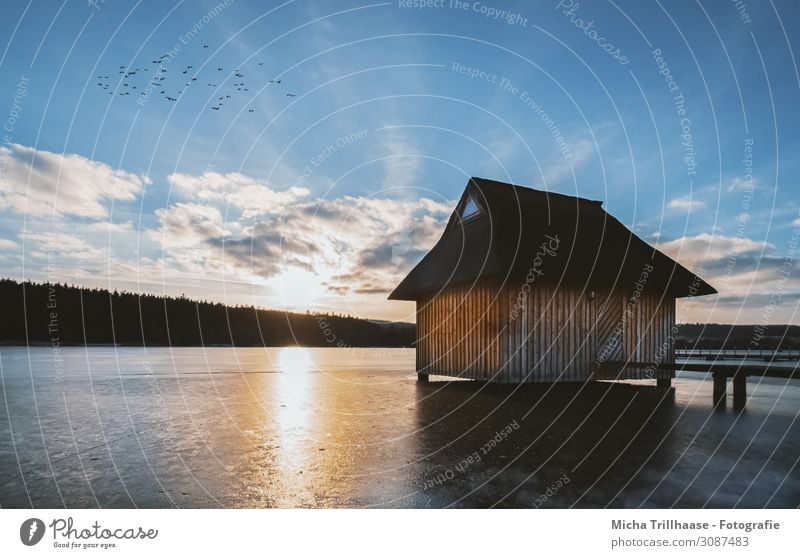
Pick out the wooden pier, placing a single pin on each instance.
(720, 374)
(767, 355)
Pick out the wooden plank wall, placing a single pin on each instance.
(553, 339)
(458, 332)
(468, 332)
(609, 319)
(647, 334)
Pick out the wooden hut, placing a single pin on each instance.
(530, 286)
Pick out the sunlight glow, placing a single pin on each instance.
(298, 288)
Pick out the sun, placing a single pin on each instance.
(298, 288)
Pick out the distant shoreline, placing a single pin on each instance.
(63, 315)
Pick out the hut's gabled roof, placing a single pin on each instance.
(497, 230)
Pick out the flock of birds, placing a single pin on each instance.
(160, 80)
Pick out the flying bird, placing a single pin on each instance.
(291, 95)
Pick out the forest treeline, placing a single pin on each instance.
(47, 313)
(40, 313)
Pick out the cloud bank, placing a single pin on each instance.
(42, 183)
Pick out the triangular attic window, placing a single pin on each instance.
(470, 209)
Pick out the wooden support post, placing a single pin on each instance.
(739, 390)
(664, 383)
(422, 378)
(720, 385)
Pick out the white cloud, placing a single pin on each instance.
(6, 244)
(43, 183)
(190, 221)
(740, 185)
(250, 195)
(695, 250)
(686, 204)
(108, 227)
(62, 249)
(746, 272)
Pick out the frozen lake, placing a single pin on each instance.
(298, 427)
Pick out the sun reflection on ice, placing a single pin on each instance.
(294, 388)
(294, 404)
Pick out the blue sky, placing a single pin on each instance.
(681, 118)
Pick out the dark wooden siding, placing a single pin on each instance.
(483, 332)
(458, 332)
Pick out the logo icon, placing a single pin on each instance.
(31, 531)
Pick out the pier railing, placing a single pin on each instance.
(766, 355)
